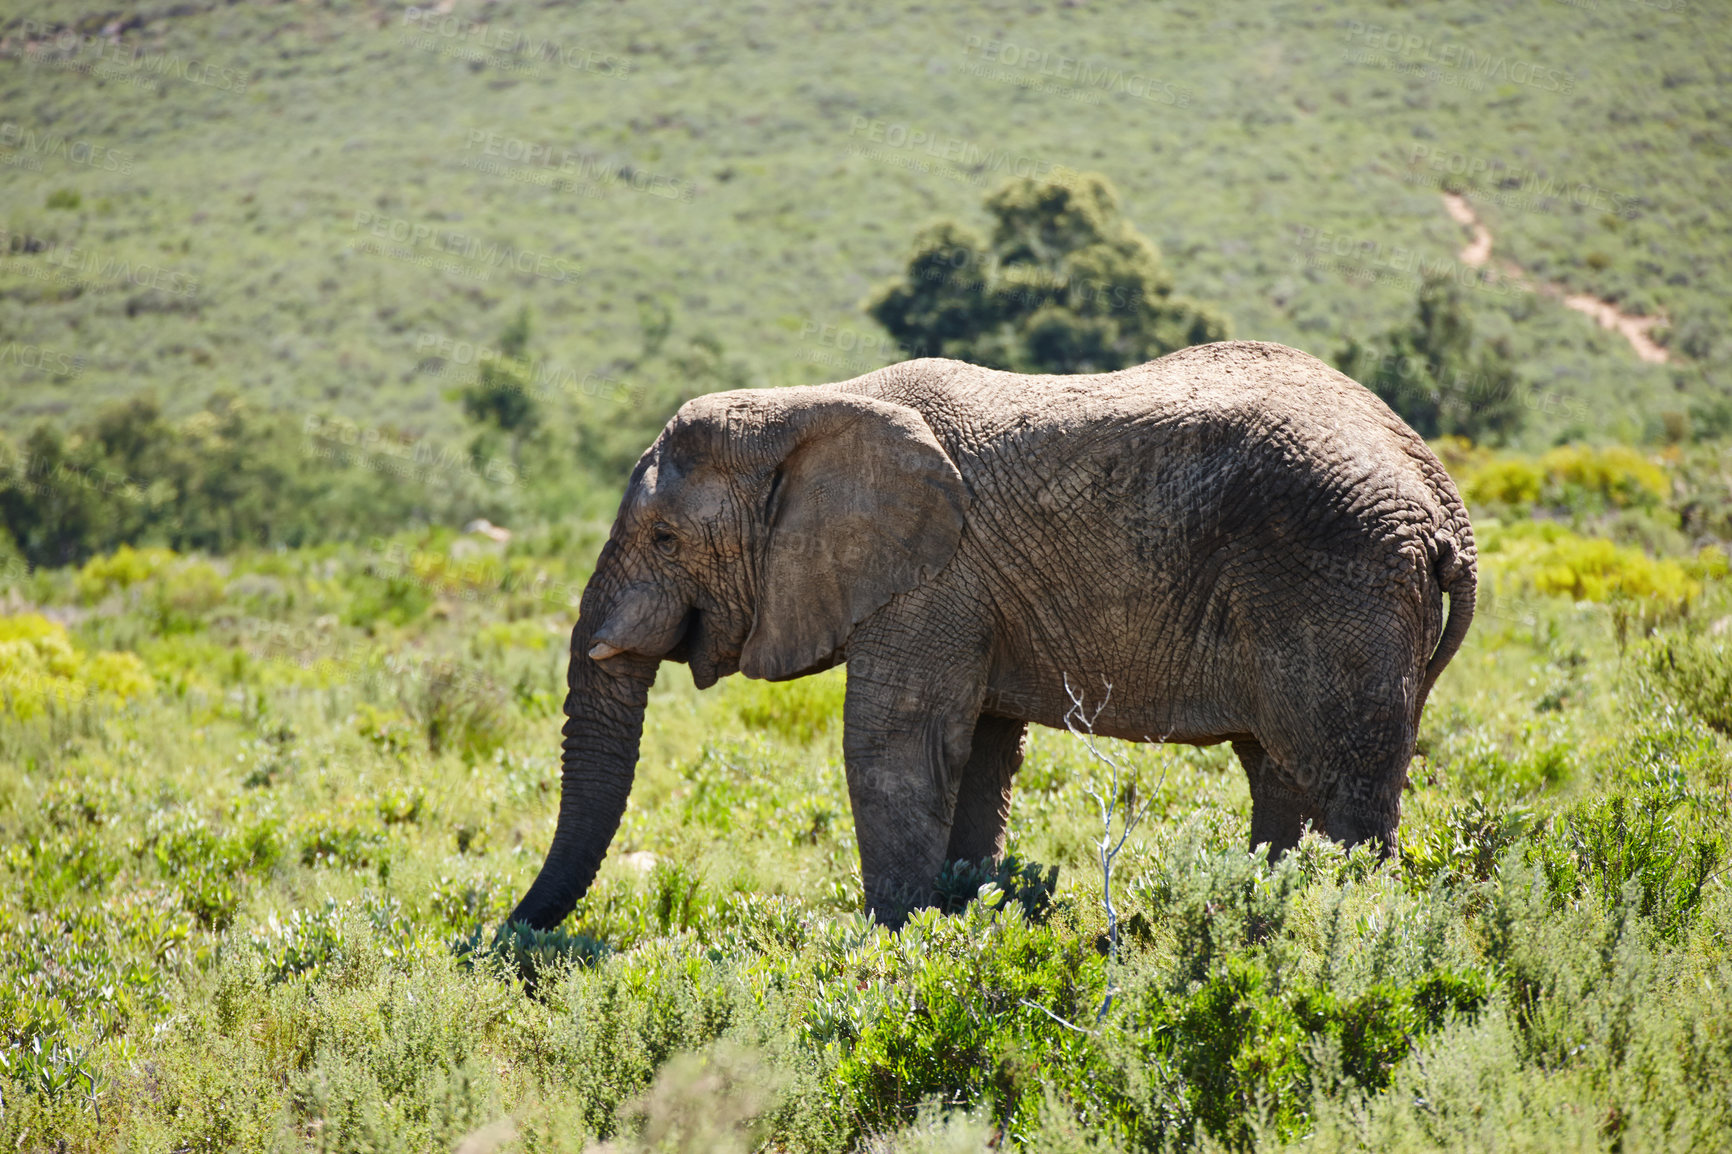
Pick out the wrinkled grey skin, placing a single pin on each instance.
(1247, 545)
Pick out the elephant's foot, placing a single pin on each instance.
(1279, 811)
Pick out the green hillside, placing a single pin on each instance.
(324, 206)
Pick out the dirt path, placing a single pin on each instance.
(1479, 250)
(1478, 253)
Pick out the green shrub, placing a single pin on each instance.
(970, 1003)
(529, 953)
(207, 867)
(1240, 1054)
(1436, 375)
(1603, 847)
(1470, 841)
(389, 731)
(395, 600)
(464, 904)
(55, 867)
(322, 839)
(1696, 672)
(399, 805)
(1010, 880)
(797, 710)
(223, 478)
(458, 707)
(1214, 902)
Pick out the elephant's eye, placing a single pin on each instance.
(664, 538)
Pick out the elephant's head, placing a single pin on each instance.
(757, 531)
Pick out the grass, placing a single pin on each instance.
(749, 180)
(253, 899)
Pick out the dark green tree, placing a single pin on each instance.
(501, 402)
(501, 394)
(219, 479)
(1436, 375)
(1065, 285)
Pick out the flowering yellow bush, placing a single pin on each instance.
(39, 665)
(1618, 473)
(1510, 481)
(1710, 564)
(1548, 559)
(456, 573)
(121, 569)
(1613, 476)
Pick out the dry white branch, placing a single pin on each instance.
(1081, 723)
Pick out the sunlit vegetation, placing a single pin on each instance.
(278, 735)
(263, 814)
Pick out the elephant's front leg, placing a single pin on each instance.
(983, 799)
(907, 736)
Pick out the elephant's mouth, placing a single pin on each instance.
(705, 645)
(682, 649)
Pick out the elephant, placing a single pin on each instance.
(1245, 545)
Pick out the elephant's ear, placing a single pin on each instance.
(864, 505)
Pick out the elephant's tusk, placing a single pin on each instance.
(601, 651)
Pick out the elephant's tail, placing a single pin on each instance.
(1458, 575)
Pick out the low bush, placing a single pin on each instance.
(252, 905)
(1696, 672)
(794, 710)
(1550, 560)
(42, 670)
(1620, 848)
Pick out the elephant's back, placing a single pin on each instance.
(1224, 457)
(1258, 418)
(1245, 385)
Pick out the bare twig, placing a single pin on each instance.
(1061, 1021)
(1081, 723)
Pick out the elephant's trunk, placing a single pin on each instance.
(604, 721)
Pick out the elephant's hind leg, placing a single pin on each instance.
(1279, 810)
(1353, 762)
(983, 798)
